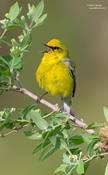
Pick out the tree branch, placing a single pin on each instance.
(98, 155)
(55, 108)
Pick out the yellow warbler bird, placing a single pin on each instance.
(56, 75)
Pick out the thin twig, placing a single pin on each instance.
(52, 112)
(15, 130)
(2, 35)
(30, 25)
(103, 154)
(16, 77)
(95, 156)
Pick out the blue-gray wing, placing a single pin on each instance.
(71, 67)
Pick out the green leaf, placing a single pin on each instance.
(58, 118)
(5, 118)
(86, 165)
(38, 148)
(45, 140)
(106, 170)
(26, 42)
(106, 114)
(38, 11)
(54, 121)
(52, 137)
(11, 26)
(76, 140)
(21, 22)
(95, 125)
(17, 64)
(33, 134)
(37, 119)
(75, 151)
(61, 168)
(40, 20)
(43, 144)
(63, 144)
(26, 109)
(3, 83)
(5, 42)
(89, 137)
(4, 67)
(4, 61)
(71, 167)
(80, 167)
(14, 11)
(90, 147)
(5, 75)
(7, 58)
(31, 10)
(55, 141)
(62, 116)
(47, 152)
(15, 50)
(66, 159)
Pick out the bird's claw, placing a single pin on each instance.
(38, 99)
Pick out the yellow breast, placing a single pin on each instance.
(55, 78)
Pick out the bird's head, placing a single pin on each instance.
(57, 48)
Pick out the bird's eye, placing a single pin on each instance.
(55, 48)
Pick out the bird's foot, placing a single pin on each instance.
(41, 96)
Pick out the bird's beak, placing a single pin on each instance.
(48, 48)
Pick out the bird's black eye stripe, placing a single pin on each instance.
(55, 48)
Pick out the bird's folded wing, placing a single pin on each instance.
(71, 67)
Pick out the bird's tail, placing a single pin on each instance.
(67, 105)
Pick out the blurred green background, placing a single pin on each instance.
(85, 32)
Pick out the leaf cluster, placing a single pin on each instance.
(55, 133)
(12, 64)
